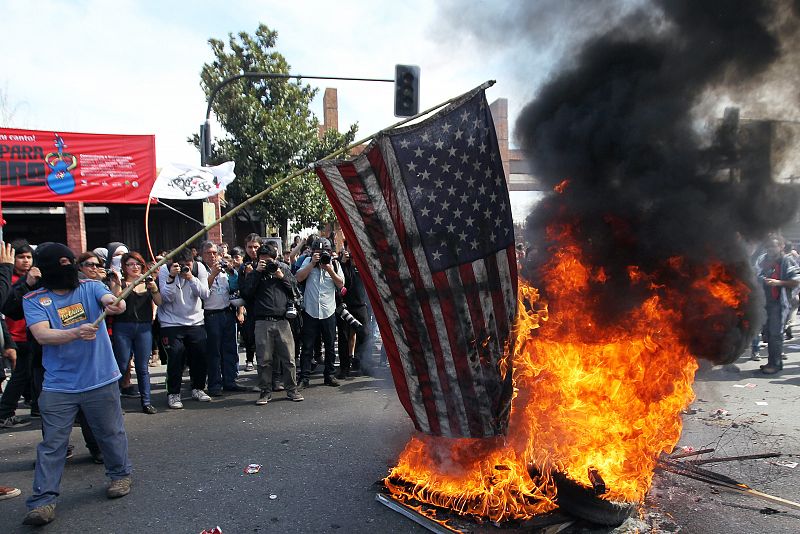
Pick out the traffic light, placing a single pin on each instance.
(406, 90)
(205, 143)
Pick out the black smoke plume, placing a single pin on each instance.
(645, 184)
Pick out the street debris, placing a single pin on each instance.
(690, 469)
(785, 463)
(749, 385)
(252, 469)
(272, 496)
(215, 530)
(762, 403)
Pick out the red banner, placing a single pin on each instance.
(42, 166)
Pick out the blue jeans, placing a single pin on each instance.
(223, 354)
(136, 337)
(104, 415)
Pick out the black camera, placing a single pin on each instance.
(341, 311)
(185, 269)
(264, 250)
(223, 264)
(324, 258)
(148, 279)
(271, 268)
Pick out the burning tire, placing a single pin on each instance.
(581, 502)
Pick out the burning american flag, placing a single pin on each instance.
(426, 214)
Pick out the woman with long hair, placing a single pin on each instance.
(133, 329)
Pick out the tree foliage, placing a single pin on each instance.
(269, 130)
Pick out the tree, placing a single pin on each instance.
(269, 130)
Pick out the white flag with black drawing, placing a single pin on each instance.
(187, 182)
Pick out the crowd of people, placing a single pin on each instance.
(282, 306)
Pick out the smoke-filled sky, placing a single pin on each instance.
(645, 186)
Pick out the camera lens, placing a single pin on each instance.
(325, 258)
(148, 279)
(272, 267)
(348, 317)
(185, 269)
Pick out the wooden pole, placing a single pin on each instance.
(273, 187)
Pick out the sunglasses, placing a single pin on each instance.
(90, 264)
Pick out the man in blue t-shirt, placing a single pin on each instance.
(80, 373)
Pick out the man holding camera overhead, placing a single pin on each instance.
(184, 285)
(269, 288)
(324, 278)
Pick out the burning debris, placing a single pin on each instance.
(643, 267)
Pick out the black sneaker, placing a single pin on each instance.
(277, 386)
(70, 451)
(14, 422)
(97, 456)
(149, 409)
(305, 383)
(130, 392)
(332, 382)
(264, 398)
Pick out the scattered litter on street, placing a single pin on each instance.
(719, 412)
(762, 403)
(272, 497)
(785, 463)
(215, 530)
(252, 469)
(749, 385)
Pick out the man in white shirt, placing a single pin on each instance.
(323, 278)
(220, 324)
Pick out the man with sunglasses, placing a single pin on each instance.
(184, 286)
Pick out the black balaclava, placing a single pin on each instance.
(47, 258)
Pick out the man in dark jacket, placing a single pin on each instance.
(268, 287)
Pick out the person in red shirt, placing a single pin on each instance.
(20, 383)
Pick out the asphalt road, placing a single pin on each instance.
(322, 457)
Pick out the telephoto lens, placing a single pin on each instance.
(342, 311)
(324, 258)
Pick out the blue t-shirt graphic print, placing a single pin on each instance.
(79, 365)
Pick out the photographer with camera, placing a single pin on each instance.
(220, 323)
(351, 316)
(184, 285)
(269, 287)
(323, 278)
(247, 319)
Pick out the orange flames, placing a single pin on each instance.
(585, 397)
